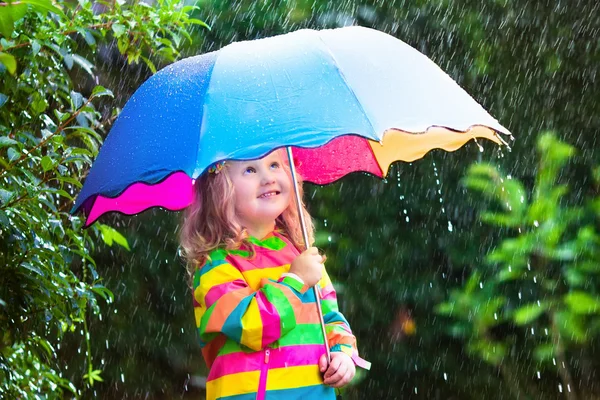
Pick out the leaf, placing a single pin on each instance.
(119, 30)
(9, 16)
(491, 352)
(445, 308)
(100, 91)
(150, 64)
(93, 376)
(507, 274)
(110, 235)
(529, 313)
(6, 141)
(195, 21)
(35, 47)
(83, 63)
(76, 99)
(571, 326)
(4, 221)
(575, 278)
(544, 352)
(43, 6)
(68, 60)
(12, 154)
(581, 302)
(47, 163)
(87, 35)
(9, 62)
(104, 292)
(5, 196)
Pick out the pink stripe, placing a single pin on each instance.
(174, 193)
(270, 320)
(289, 356)
(217, 291)
(330, 162)
(328, 293)
(265, 258)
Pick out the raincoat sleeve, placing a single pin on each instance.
(225, 303)
(339, 334)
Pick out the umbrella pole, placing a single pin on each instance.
(307, 245)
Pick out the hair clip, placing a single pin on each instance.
(216, 167)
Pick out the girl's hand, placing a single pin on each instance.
(341, 369)
(308, 266)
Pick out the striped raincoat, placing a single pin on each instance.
(259, 331)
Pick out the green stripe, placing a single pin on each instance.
(303, 334)
(233, 347)
(285, 310)
(216, 255)
(204, 321)
(293, 283)
(329, 305)
(272, 243)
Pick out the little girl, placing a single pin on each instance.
(257, 319)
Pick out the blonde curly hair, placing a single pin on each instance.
(210, 222)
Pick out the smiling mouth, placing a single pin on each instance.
(268, 194)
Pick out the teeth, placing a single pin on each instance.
(268, 194)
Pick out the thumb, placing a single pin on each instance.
(323, 363)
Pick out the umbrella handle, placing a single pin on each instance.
(306, 245)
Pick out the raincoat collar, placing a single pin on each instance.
(272, 241)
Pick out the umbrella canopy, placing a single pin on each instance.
(348, 99)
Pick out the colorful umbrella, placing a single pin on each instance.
(343, 100)
(348, 99)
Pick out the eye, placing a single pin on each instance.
(249, 170)
(274, 165)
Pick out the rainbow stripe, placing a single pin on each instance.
(260, 333)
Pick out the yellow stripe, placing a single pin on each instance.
(291, 377)
(198, 312)
(325, 280)
(221, 274)
(252, 337)
(254, 276)
(399, 145)
(230, 385)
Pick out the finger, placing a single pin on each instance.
(323, 363)
(323, 259)
(344, 381)
(333, 367)
(335, 378)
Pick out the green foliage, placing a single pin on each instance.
(51, 128)
(545, 270)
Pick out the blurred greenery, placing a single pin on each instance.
(464, 275)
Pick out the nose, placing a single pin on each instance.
(267, 177)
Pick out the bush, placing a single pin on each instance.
(53, 115)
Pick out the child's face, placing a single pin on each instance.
(262, 190)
